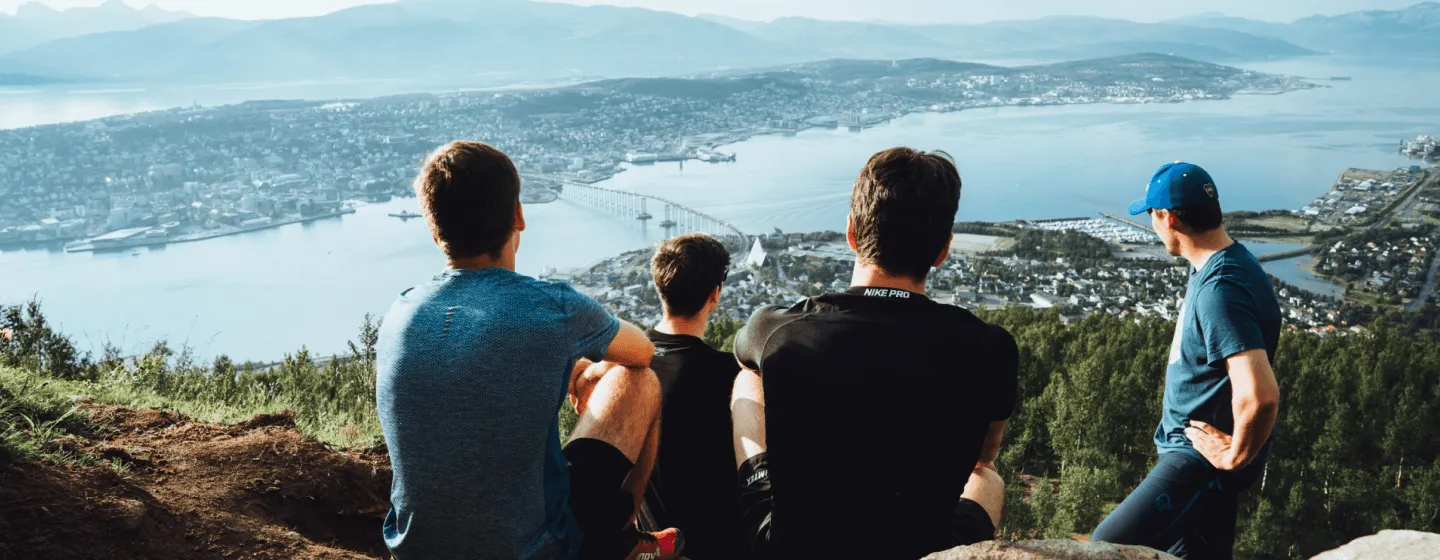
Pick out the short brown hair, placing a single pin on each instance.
(903, 208)
(687, 270)
(468, 192)
(1200, 218)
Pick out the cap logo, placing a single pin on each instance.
(1210, 190)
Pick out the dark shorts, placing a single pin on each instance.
(602, 508)
(969, 523)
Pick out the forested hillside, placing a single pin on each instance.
(1358, 450)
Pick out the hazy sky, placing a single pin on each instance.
(892, 10)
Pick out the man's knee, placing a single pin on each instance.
(620, 409)
(747, 389)
(633, 386)
(634, 391)
(987, 488)
(747, 414)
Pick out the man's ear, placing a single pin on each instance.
(944, 253)
(519, 217)
(850, 233)
(1171, 222)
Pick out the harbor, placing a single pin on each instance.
(133, 238)
(1422, 147)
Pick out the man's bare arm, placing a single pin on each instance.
(1255, 399)
(991, 448)
(631, 348)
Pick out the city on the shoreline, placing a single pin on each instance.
(195, 173)
(1380, 257)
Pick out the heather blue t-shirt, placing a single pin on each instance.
(1229, 307)
(472, 369)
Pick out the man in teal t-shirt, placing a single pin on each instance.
(472, 368)
(1221, 398)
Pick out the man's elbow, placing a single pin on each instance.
(1264, 400)
(1269, 404)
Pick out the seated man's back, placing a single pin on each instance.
(471, 371)
(470, 383)
(693, 486)
(877, 407)
(694, 479)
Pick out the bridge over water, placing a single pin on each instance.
(672, 217)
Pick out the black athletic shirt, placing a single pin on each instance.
(877, 402)
(693, 486)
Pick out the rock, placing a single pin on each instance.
(130, 513)
(1388, 545)
(1050, 550)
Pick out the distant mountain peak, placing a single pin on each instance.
(34, 9)
(111, 7)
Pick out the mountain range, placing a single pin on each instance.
(509, 40)
(34, 23)
(1409, 32)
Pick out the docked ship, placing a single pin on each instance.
(121, 240)
(1426, 147)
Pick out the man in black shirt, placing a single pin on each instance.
(693, 485)
(867, 422)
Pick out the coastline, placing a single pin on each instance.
(191, 238)
(713, 141)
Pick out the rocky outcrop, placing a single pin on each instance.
(1050, 550)
(1388, 545)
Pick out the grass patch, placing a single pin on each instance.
(37, 420)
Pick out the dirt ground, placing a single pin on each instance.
(256, 490)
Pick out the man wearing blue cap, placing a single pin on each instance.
(1221, 398)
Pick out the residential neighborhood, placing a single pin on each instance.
(803, 265)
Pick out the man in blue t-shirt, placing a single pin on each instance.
(1221, 398)
(472, 369)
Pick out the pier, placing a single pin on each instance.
(1133, 224)
(1282, 255)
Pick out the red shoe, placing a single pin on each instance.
(660, 545)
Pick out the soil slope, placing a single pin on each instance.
(259, 489)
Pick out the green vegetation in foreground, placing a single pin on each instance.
(333, 402)
(37, 418)
(1358, 447)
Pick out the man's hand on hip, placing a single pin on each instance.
(1216, 446)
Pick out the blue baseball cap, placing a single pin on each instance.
(1175, 185)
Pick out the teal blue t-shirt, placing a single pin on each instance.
(472, 368)
(1229, 307)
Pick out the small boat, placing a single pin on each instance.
(135, 253)
(644, 216)
(404, 215)
(667, 224)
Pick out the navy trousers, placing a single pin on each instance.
(1185, 506)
